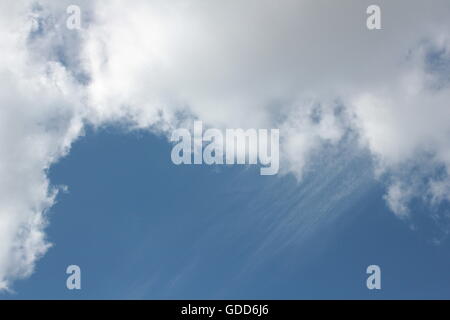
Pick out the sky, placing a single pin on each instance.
(141, 229)
(86, 176)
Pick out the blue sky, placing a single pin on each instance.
(92, 91)
(141, 228)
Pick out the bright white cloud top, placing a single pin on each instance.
(310, 68)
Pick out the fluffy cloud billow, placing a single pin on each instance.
(310, 68)
(39, 119)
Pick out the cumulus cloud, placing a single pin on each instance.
(310, 68)
(38, 121)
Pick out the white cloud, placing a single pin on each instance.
(404, 123)
(38, 121)
(309, 67)
(397, 198)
